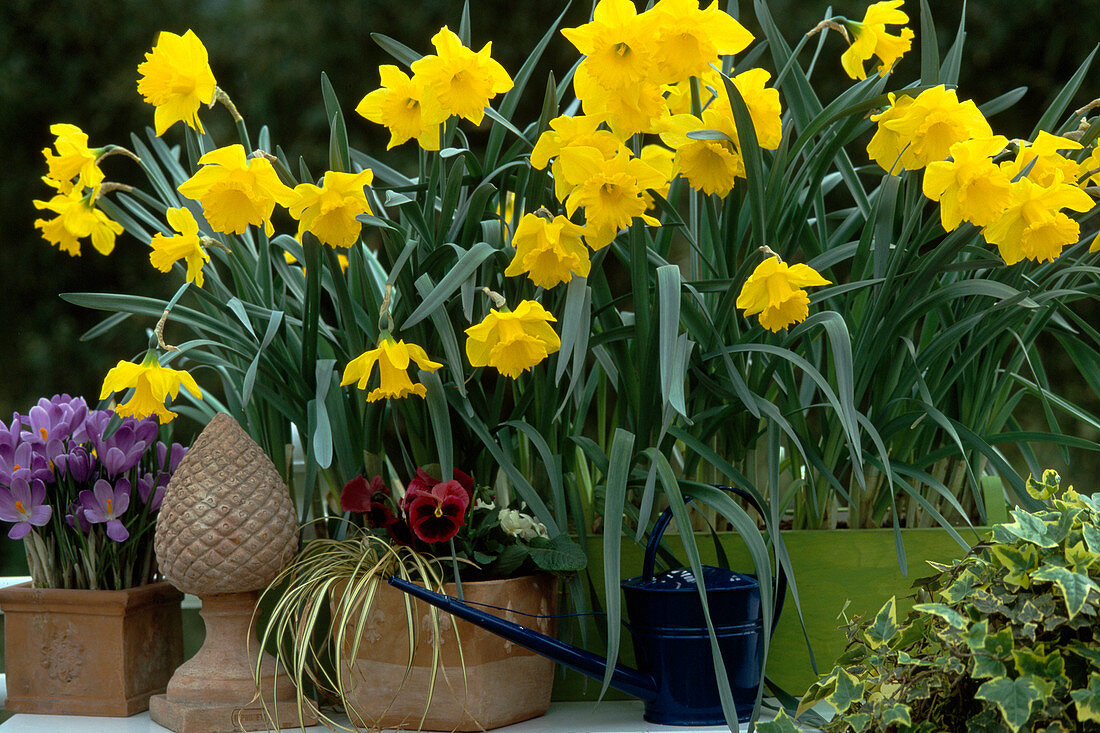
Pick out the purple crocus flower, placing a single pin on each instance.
(77, 464)
(145, 431)
(151, 491)
(52, 421)
(122, 451)
(105, 503)
(23, 504)
(93, 426)
(9, 437)
(25, 463)
(75, 518)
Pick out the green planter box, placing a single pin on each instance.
(832, 568)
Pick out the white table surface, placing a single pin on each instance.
(613, 716)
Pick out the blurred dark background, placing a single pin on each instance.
(65, 61)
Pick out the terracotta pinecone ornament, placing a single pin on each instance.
(227, 523)
(226, 528)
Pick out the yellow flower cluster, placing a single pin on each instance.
(871, 39)
(455, 81)
(1016, 192)
(75, 175)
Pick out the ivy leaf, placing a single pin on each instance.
(1018, 561)
(1044, 488)
(858, 721)
(885, 626)
(1075, 587)
(986, 667)
(1029, 528)
(560, 555)
(1092, 537)
(1087, 700)
(1000, 645)
(1044, 666)
(953, 618)
(896, 713)
(961, 589)
(976, 634)
(849, 690)
(1086, 652)
(1013, 698)
(780, 724)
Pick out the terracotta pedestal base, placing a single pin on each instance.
(215, 691)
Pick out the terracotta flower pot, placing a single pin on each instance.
(503, 684)
(89, 652)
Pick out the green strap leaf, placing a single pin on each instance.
(467, 264)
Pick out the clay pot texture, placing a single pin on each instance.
(89, 652)
(504, 683)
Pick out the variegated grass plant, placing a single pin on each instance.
(319, 609)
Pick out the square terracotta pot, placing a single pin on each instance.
(89, 652)
(504, 683)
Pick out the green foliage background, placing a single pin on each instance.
(70, 62)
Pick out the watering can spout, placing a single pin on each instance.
(624, 679)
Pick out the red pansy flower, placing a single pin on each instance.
(436, 515)
(423, 482)
(369, 498)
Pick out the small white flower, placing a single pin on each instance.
(521, 525)
(479, 504)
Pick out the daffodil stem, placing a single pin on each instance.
(385, 320)
(117, 150)
(220, 97)
(159, 331)
(498, 299)
(829, 24)
(769, 252)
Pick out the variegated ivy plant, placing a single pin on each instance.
(1005, 639)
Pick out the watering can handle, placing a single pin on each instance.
(659, 530)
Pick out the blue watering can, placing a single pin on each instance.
(671, 642)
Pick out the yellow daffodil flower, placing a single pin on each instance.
(152, 385)
(512, 341)
(235, 191)
(393, 359)
(914, 132)
(970, 187)
(620, 46)
(710, 166)
(662, 160)
(77, 218)
(75, 162)
(871, 39)
(550, 252)
(690, 39)
(611, 191)
(185, 245)
(464, 82)
(1033, 226)
(565, 131)
(631, 110)
(176, 79)
(403, 106)
(1048, 161)
(329, 211)
(775, 291)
